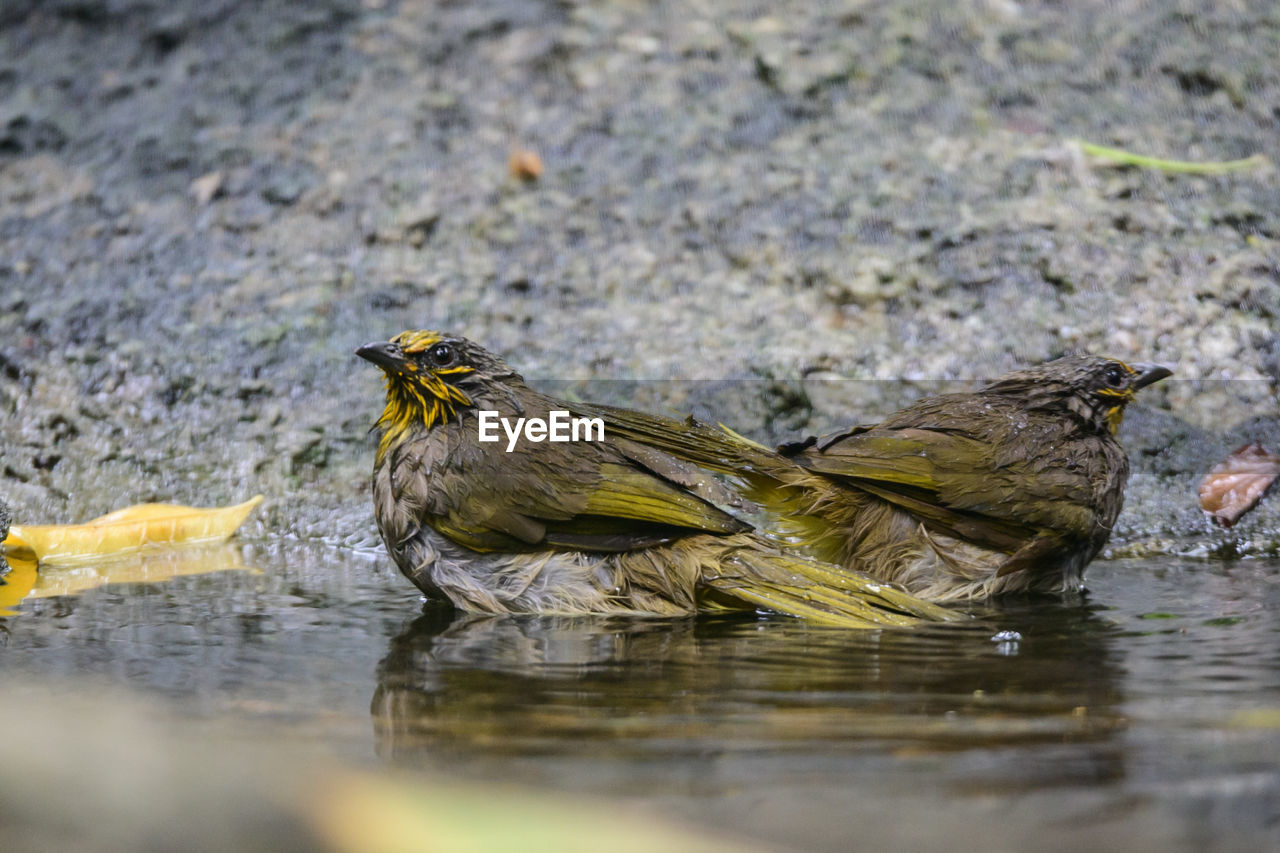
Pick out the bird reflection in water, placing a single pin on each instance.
(1036, 685)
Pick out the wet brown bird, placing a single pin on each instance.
(1014, 487)
(614, 525)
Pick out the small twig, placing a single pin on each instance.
(1128, 158)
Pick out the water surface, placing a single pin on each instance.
(1145, 714)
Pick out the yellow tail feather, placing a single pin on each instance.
(820, 592)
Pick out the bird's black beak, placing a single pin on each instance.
(1149, 374)
(386, 355)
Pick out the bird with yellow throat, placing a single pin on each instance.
(518, 523)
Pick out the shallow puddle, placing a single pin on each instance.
(1146, 714)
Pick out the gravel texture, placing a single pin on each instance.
(204, 207)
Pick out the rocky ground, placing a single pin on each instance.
(204, 207)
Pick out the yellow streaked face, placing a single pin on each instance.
(1116, 386)
(418, 366)
(441, 354)
(1093, 388)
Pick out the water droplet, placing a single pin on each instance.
(1006, 642)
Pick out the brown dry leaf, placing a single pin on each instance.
(129, 529)
(1236, 484)
(524, 165)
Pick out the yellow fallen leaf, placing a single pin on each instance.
(129, 529)
(15, 585)
(152, 566)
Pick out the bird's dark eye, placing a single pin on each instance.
(1114, 376)
(442, 355)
